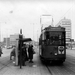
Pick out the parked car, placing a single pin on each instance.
(9, 47)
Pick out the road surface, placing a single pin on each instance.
(37, 68)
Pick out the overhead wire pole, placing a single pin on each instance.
(33, 33)
(37, 35)
(0, 29)
(37, 38)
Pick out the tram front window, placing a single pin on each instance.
(55, 38)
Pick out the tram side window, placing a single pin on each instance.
(47, 39)
(47, 35)
(61, 39)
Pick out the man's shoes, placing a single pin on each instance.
(24, 64)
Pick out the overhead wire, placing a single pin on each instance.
(67, 11)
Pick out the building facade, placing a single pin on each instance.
(66, 23)
(13, 39)
(7, 42)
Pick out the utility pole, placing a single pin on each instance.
(0, 29)
(33, 34)
(20, 42)
(37, 35)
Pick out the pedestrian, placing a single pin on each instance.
(30, 53)
(24, 55)
(13, 53)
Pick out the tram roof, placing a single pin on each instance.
(59, 28)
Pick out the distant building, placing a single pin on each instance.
(13, 39)
(1, 44)
(7, 42)
(66, 23)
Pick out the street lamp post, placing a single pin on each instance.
(0, 29)
(33, 33)
(37, 35)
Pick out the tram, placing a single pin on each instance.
(52, 44)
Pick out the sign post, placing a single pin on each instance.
(20, 44)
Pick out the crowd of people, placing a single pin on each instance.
(27, 53)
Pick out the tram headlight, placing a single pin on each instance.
(60, 49)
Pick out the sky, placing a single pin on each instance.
(26, 14)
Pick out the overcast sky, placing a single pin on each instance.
(25, 14)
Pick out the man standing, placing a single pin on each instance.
(13, 53)
(30, 53)
(24, 54)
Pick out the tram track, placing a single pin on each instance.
(5, 62)
(70, 66)
(61, 69)
(67, 68)
(3, 65)
(53, 70)
(49, 70)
